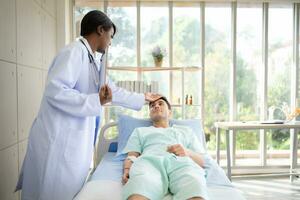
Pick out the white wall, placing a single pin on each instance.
(28, 43)
(64, 22)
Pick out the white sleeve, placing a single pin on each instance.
(60, 91)
(125, 98)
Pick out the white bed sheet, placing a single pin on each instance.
(105, 183)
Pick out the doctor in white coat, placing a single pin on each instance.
(61, 139)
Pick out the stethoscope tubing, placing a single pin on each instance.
(96, 73)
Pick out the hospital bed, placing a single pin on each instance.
(104, 183)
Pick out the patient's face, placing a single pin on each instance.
(159, 110)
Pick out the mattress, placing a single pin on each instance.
(105, 183)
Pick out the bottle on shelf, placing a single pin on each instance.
(191, 100)
(187, 99)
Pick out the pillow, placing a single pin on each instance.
(127, 124)
(195, 125)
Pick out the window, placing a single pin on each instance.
(162, 77)
(175, 26)
(248, 64)
(298, 149)
(186, 36)
(279, 77)
(112, 112)
(217, 67)
(154, 31)
(186, 53)
(123, 50)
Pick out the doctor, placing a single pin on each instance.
(61, 139)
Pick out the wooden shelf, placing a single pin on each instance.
(186, 105)
(172, 105)
(154, 69)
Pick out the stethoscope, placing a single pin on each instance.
(96, 73)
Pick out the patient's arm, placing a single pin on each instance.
(126, 166)
(196, 157)
(179, 150)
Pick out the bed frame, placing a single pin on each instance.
(103, 143)
(102, 146)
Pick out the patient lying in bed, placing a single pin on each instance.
(163, 159)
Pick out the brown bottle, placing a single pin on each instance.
(191, 100)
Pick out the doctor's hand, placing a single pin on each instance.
(151, 96)
(178, 150)
(105, 94)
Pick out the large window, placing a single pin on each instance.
(154, 31)
(248, 64)
(123, 51)
(186, 35)
(279, 78)
(298, 149)
(186, 53)
(217, 68)
(176, 27)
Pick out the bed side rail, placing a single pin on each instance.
(102, 144)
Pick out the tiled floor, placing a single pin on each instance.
(269, 188)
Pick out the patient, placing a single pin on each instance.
(163, 159)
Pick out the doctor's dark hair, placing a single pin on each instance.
(93, 19)
(164, 99)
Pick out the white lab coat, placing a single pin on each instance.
(60, 144)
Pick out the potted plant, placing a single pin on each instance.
(158, 54)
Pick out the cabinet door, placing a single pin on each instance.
(45, 75)
(9, 173)
(22, 152)
(30, 86)
(50, 6)
(8, 30)
(39, 2)
(8, 105)
(49, 39)
(29, 34)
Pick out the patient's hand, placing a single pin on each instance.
(125, 176)
(178, 150)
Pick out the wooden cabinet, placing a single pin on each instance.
(8, 106)
(30, 89)
(9, 173)
(29, 33)
(8, 30)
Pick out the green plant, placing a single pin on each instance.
(158, 53)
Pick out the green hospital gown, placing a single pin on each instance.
(157, 172)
